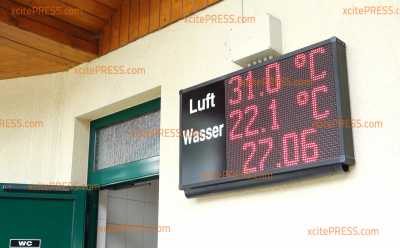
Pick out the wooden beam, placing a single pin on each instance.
(18, 60)
(144, 17)
(188, 7)
(154, 15)
(134, 20)
(115, 28)
(211, 2)
(12, 32)
(51, 21)
(176, 10)
(110, 3)
(57, 35)
(106, 39)
(66, 28)
(199, 4)
(32, 52)
(47, 31)
(124, 28)
(94, 8)
(63, 12)
(23, 72)
(165, 12)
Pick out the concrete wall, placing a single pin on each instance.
(183, 55)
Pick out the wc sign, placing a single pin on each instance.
(22, 243)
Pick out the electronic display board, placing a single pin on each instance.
(265, 123)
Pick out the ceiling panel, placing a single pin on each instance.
(72, 32)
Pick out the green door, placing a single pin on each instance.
(56, 218)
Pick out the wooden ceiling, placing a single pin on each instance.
(45, 36)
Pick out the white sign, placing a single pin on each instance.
(22, 243)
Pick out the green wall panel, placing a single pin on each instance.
(57, 218)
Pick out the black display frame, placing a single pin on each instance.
(341, 163)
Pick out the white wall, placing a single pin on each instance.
(183, 55)
(31, 155)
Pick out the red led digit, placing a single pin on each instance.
(268, 143)
(316, 114)
(273, 109)
(290, 137)
(246, 166)
(302, 98)
(308, 146)
(250, 82)
(313, 74)
(272, 88)
(237, 89)
(232, 134)
(254, 110)
(300, 60)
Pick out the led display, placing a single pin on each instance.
(259, 125)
